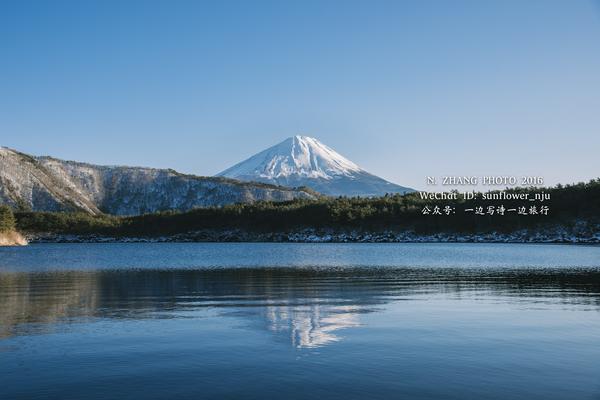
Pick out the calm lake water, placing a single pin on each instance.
(287, 321)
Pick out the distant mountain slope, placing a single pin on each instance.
(304, 161)
(49, 184)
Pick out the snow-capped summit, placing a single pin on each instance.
(305, 161)
(296, 156)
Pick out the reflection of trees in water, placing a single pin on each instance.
(311, 306)
(44, 298)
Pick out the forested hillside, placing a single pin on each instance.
(568, 205)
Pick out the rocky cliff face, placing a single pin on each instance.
(49, 184)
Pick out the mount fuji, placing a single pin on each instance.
(305, 161)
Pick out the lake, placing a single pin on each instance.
(298, 321)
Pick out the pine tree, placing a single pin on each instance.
(7, 219)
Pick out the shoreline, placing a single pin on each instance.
(328, 236)
(12, 239)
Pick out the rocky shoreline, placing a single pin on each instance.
(12, 238)
(557, 235)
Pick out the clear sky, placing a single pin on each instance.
(403, 88)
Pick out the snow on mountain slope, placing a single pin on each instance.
(304, 161)
(295, 156)
(49, 184)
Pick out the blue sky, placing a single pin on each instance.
(405, 89)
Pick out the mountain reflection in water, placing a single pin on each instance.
(309, 307)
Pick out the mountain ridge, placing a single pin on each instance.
(44, 183)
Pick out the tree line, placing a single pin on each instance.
(567, 205)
